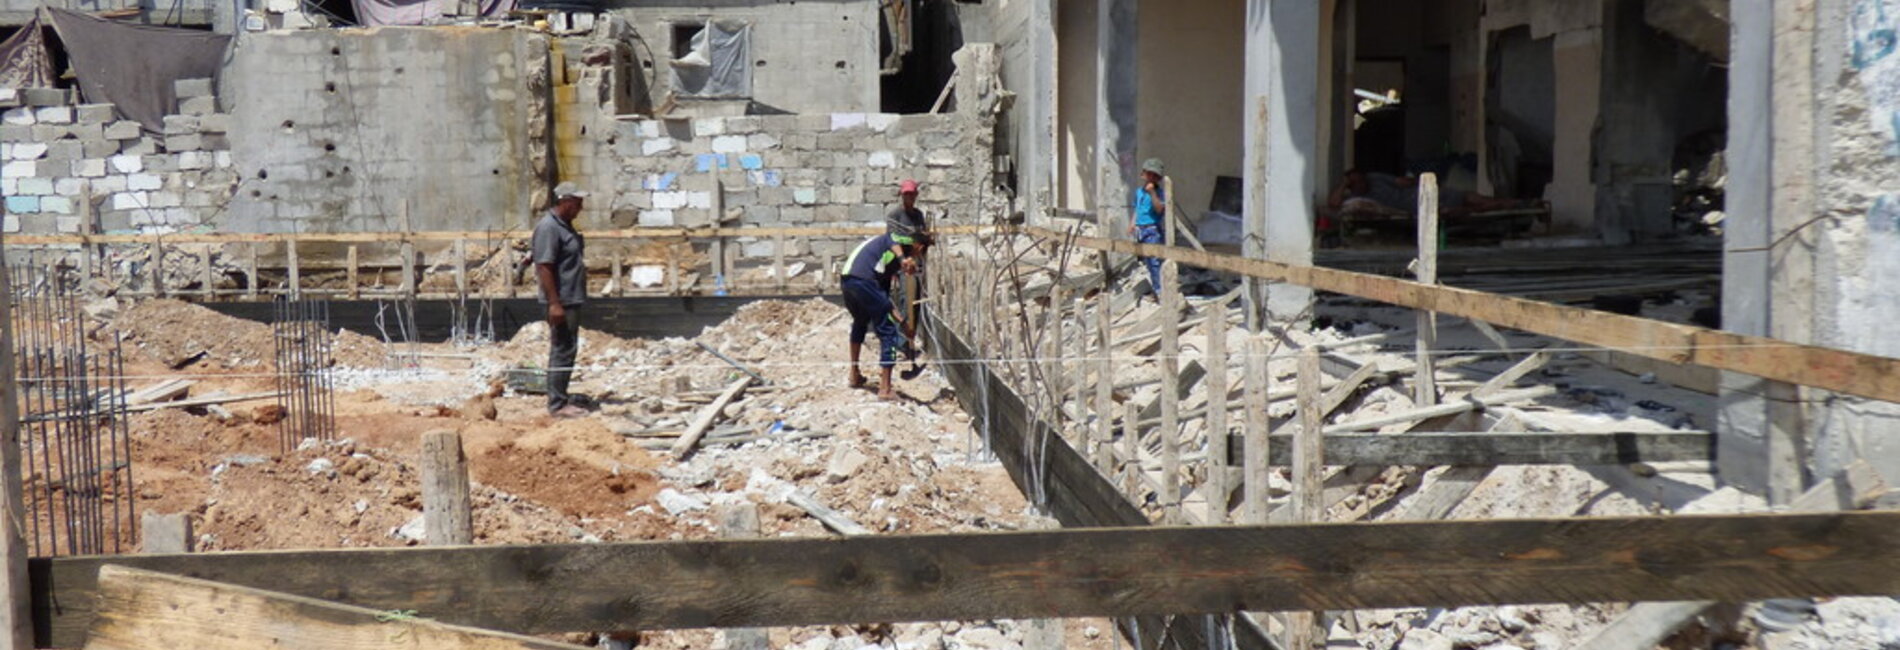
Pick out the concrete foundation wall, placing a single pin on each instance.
(807, 57)
(73, 169)
(335, 131)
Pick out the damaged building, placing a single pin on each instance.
(1387, 324)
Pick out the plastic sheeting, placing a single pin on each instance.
(24, 61)
(719, 65)
(134, 66)
(372, 13)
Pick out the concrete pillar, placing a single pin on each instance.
(1117, 94)
(1038, 166)
(1282, 135)
(1577, 58)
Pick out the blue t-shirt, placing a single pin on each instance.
(873, 260)
(1147, 207)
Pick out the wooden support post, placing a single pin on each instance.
(1104, 387)
(446, 517)
(1254, 464)
(673, 272)
(295, 269)
(157, 264)
(255, 281)
(1425, 388)
(207, 287)
(1131, 452)
(1216, 361)
(1079, 392)
(351, 277)
(619, 271)
(16, 604)
(408, 252)
(461, 269)
(741, 521)
(719, 242)
(1169, 399)
(1309, 496)
(165, 533)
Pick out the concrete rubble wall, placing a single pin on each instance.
(80, 168)
(335, 130)
(808, 57)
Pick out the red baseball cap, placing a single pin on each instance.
(907, 187)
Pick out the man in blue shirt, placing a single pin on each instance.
(1151, 209)
(867, 295)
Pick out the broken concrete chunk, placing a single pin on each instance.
(1422, 639)
(845, 462)
(677, 503)
(185, 88)
(411, 531)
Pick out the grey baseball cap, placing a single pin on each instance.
(568, 189)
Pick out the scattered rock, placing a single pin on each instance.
(268, 414)
(845, 462)
(986, 638)
(1424, 640)
(411, 531)
(677, 503)
(319, 466)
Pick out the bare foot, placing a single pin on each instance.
(887, 395)
(856, 380)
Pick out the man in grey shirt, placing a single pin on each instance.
(558, 250)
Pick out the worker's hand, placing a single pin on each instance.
(909, 265)
(557, 314)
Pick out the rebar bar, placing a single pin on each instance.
(74, 433)
(301, 332)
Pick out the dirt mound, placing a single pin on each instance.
(557, 481)
(171, 332)
(775, 319)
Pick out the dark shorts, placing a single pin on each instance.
(870, 308)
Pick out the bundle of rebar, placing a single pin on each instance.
(73, 429)
(301, 329)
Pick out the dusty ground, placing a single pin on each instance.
(900, 467)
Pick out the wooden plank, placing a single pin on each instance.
(741, 521)
(256, 282)
(1169, 399)
(461, 269)
(206, 286)
(1217, 489)
(1863, 375)
(295, 285)
(156, 260)
(1451, 408)
(354, 283)
(1437, 499)
(1530, 363)
(1425, 388)
(1254, 453)
(1309, 496)
(705, 232)
(707, 416)
(1068, 573)
(778, 262)
(446, 516)
(831, 518)
(204, 401)
(144, 609)
(1494, 448)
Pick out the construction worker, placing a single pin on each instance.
(906, 220)
(1151, 209)
(557, 250)
(866, 284)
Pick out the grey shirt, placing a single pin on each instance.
(904, 223)
(557, 243)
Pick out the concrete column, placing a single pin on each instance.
(1577, 57)
(1282, 135)
(1117, 94)
(1039, 164)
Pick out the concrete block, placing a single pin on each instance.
(89, 168)
(144, 182)
(192, 88)
(126, 164)
(709, 126)
(23, 204)
(184, 142)
(96, 113)
(761, 214)
(805, 195)
(214, 142)
(109, 184)
(123, 130)
(9, 186)
(833, 213)
(11, 224)
(16, 133)
(19, 169)
(34, 186)
(669, 200)
(50, 132)
(18, 116)
(194, 160)
(111, 221)
(941, 158)
(63, 150)
(180, 124)
(68, 186)
(221, 159)
(205, 199)
(657, 146)
(729, 144)
(796, 214)
(656, 218)
(9, 96)
(141, 146)
(165, 200)
(26, 151)
(744, 125)
(54, 115)
(214, 123)
(751, 162)
(128, 201)
(62, 223)
(880, 122)
(761, 141)
(843, 121)
(46, 97)
(847, 194)
(98, 148)
(198, 105)
(56, 205)
(158, 163)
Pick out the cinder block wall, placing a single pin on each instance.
(81, 168)
(839, 169)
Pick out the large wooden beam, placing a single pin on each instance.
(1495, 448)
(1113, 572)
(143, 609)
(1864, 375)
